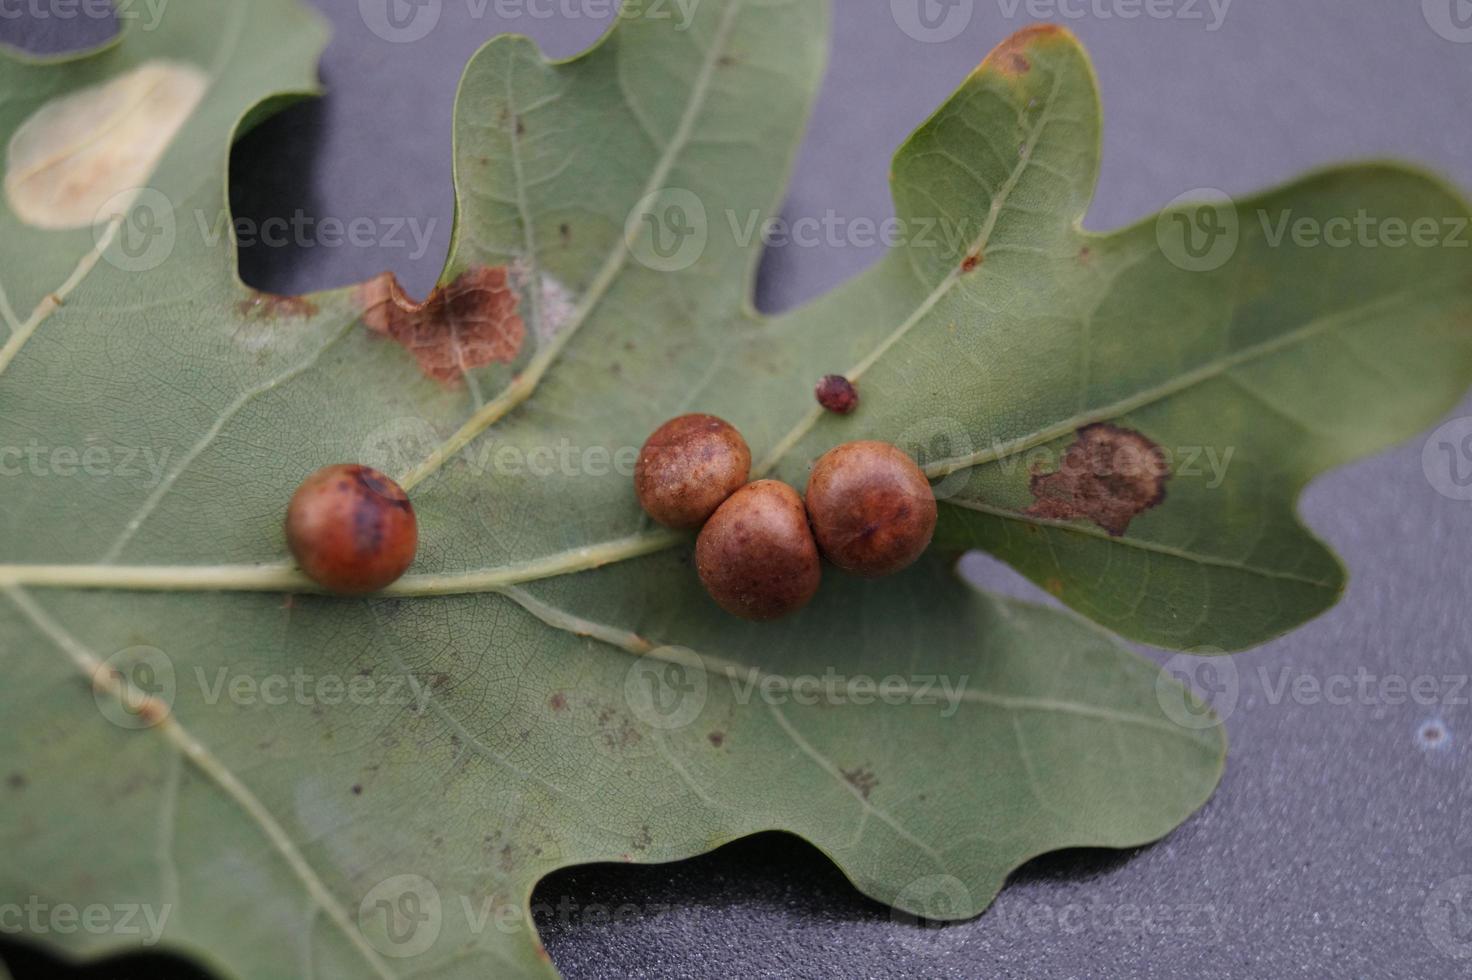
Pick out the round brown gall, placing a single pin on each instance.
(756, 555)
(688, 468)
(872, 509)
(351, 529)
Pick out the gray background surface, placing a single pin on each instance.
(1338, 843)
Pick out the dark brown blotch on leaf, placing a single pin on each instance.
(688, 468)
(872, 509)
(1110, 475)
(468, 324)
(1010, 58)
(837, 394)
(862, 779)
(756, 555)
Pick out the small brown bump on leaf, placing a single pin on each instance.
(717, 738)
(1085, 255)
(837, 394)
(269, 306)
(357, 789)
(970, 263)
(468, 324)
(1054, 587)
(1110, 475)
(558, 702)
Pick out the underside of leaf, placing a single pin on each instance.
(549, 686)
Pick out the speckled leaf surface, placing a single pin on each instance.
(332, 787)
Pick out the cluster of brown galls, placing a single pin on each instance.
(868, 509)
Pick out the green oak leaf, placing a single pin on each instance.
(303, 785)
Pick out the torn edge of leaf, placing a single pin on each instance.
(467, 324)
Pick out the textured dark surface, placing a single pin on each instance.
(1341, 815)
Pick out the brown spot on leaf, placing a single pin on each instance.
(618, 732)
(862, 779)
(1110, 475)
(1010, 58)
(357, 789)
(269, 306)
(837, 394)
(717, 738)
(466, 325)
(558, 701)
(1054, 587)
(970, 263)
(16, 781)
